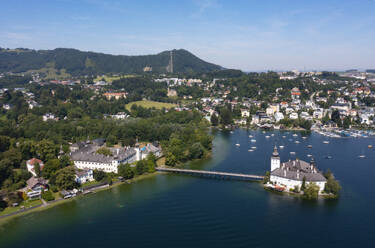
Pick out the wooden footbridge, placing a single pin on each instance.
(213, 174)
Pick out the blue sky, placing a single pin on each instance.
(251, 35)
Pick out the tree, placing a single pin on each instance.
(332, 186)
(311, 191)
(98, 175)
(65, 178)
(303, 186)
(214, 120)
(336, 117)
(105, 151)
(125, 171)
(46, 150)
(37, 169)
(4, 143)
(196, 151)
(170, 159)
(141, 167)
(266, 178)
(151, 162)
(347, 122)
(50, 168)
(48, 196)
(225, 116)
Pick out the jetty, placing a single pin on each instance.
(213, 174)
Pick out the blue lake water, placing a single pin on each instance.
(184, 211)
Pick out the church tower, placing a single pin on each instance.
(275, 159)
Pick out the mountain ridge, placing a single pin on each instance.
(77, 62)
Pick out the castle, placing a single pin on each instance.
(290, 174)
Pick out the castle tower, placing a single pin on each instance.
(275, 159)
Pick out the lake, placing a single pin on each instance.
(169, 210)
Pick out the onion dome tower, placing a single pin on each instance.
(275, 159)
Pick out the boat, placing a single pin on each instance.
(309, 146)
(362, 156)
(297, 142)
(253, 147)
(284, 137)
(281, 147)
(369, 146)
(309, 155)
(304, 137)
(250, 136)
(237, 144)
(328, 157)
(250, 150)
(267, 137)
(294, 135)
(292, 153)
(272, 135)
(326, 142)
(231, 131)
(253, 140)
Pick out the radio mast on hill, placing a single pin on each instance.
(170, 65)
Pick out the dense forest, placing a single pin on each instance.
(75, 62)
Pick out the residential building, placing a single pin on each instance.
(30, 164)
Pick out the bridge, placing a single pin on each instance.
(213, 174)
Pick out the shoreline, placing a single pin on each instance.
(6, 218)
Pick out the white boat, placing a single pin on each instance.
(304, 137)
(294, 135)
(250, 150)
(292, 153)
(267, 137)
(253, 140)
(284, 137)
(309, 155)
(326, 142)
(362, 156)
(237, 144)
(297, 142)
(250, 136)
(253, 147)
(309, 146)
(281, 147)
(272, 134)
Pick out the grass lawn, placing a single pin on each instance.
(89, 184)
(26, 204)
(110, 79)
(150, 104)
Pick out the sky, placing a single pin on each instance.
(251, 35)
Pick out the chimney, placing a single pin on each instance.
(297, 174)
(284, 173)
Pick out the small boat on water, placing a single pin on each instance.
(237, 144)
(272, 134)
(362, 156)
(369, 146)
(231, 131)
(253, 140)
(326, 142)
(292, 153)
(309, 146)
(267, 137)
(250, 136)
(250, 150)
(297, 142)
(309, 155)
(328, 157)
(284, 137)
(304, 137)
(253, 147)
(281, 147)
(294, 135)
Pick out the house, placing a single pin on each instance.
(278, 116)
(30, 164)
(295, 93)
(35, 187)
(142, 151)
(293, 116)
(318, 113)
(245, 113)
(120, 116)
(84, 176)
(291, 174)
(171, 92)
(49, 116)
(115, 95)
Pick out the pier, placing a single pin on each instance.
(213, 174)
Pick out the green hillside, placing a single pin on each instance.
(75, 62)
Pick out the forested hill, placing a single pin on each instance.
(77, 62)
